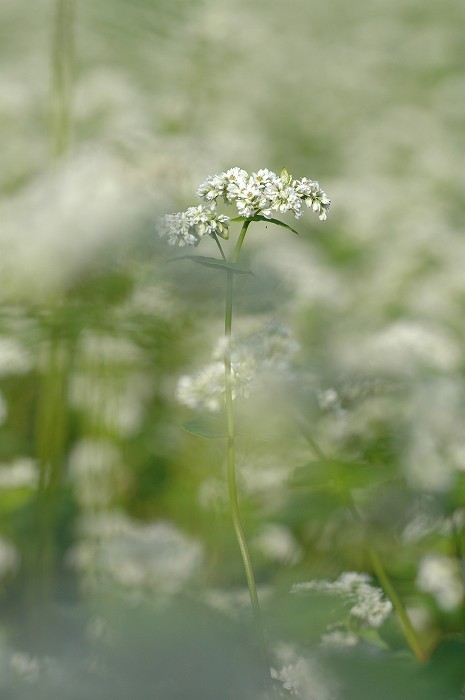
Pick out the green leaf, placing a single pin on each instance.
(335, 474)
(208, 426)
(214, 262)
(267, 219)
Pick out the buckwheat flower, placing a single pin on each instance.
(218, 185)
(369, 604)
(188, 227)
(236, 175)
(283, 197)
(278, 543)
(206, 220)
(212, 188)
(337, 638)
(205, 389)
(178, 230)
(441, 576)
(265, 177)
(248, 197)
(311, 193)
(302, 676)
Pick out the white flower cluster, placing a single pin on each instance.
(205, 389)
(271, 348)
(188, 227)
(369, 605)
(262, 193)
(302, 676)
(154, 555)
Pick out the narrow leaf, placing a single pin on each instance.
(209, 426)
(214, 262)
(267, 219)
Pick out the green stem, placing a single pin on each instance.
(215, 237)
(62, 73)
(233, 498)
(378, 567)
(240, 241)
(409, 631)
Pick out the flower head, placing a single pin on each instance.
(188, 227)
(259, 194)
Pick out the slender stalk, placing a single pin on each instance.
(378, 567)
(62, 74)
(240, 241)
(219, 246)
(233, 499)
(409, 631)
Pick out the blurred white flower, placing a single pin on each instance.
(21, 473)
(337, 638)
(3, 409)
(404, 346)
(269, 349)
(435, 450)
(136, 555)
(205, 390)
(14, 359)
(114, 400)
(233, 602)
(96, 471)
(278, 543)
(63, 223)
(213, 494)
(368, 602)
(26, 666)
(442, 577)
(302, 676)
(9, 557)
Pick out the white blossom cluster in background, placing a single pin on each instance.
(441, 576)
(135, 555)
(302, 676)
(9, 557)
(271, 348)
(368, 603)
(260, 194)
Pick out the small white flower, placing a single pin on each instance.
(248, 196)
(284, 198)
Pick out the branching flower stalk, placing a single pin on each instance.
(257, 197)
